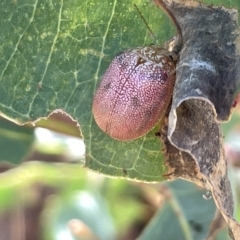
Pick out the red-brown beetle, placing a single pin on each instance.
(134, 92)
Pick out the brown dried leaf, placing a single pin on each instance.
(207, 78)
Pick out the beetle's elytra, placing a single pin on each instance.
(134, 92)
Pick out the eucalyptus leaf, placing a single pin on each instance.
(53, 56)
(184, 205)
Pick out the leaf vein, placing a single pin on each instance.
(101, 57)
(19, 40)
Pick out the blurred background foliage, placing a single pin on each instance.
(56, 198)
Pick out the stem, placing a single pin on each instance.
(179, 213)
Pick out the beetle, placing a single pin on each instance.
(135, 92)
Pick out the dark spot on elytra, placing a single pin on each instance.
(107, 86)
(163, 77)
(135, 101)
(148, 113)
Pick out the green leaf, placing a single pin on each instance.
(53, 56)
(54, 53)
(124, 202)
(186, 215)
(15, 141)
(223, 235)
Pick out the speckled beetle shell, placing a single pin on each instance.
(134, 93)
